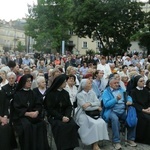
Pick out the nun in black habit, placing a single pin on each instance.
(58, 106)
(141, 100)
(7, 139)
(28, 124)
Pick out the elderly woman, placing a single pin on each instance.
(141, 99)
(6, 134)
(71, 88)
(27, 120)
(58, 106)
(52, 75)
(3, 75)
(72, 71)
(91, 130)
(41, 89)
(10, 87)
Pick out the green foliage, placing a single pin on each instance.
(143, 35)
(20, 47)
(90, 52)
(144, 40)
(48, 23)
(112, 22)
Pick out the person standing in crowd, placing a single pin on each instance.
(127, 61)
(84, 69)
(18, 60)
(59, 109)
(141, 99)
(42, 67)
(114, 109)
(26, 60)
(91, 130)
(105, 67)
(68, 63)
(27, 121)
(5, 58)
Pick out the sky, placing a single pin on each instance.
(15, 9)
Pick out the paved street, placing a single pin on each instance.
(107, 145)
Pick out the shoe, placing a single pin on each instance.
(117, 146)
(96, 148)
(131, 143)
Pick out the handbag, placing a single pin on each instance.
(131, 119)
(95, 114)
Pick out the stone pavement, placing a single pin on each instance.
(107, 145)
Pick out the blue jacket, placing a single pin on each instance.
(96, 90)
(109, 102)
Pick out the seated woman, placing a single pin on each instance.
(71, 88)
(41, 89)
(148, 85)
(94, 86)
(28, 123)
(58, 106)
(6, 133)
(141, 99)
(91, 130)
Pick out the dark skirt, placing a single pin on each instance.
(143, 128)
(7, 138)
(65, 134)
(32, 134)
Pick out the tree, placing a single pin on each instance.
(143, 35)
(144, 40)
(20, 47)
(112, 22)
(48, 23)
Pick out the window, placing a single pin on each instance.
(70, 42)
(84, 45)
(70, 32)
(98, 44)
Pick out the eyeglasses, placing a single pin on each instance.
(29, 81)
(141, 81)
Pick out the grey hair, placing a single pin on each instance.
(10, 74)
(26, 68)
(82, 85)
(34, 74)
(111, 79)
(3, 71)
(39, 79)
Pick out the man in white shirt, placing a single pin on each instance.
(105, 67)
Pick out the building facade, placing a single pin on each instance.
(10, 36)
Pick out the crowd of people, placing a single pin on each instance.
(78, 95)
